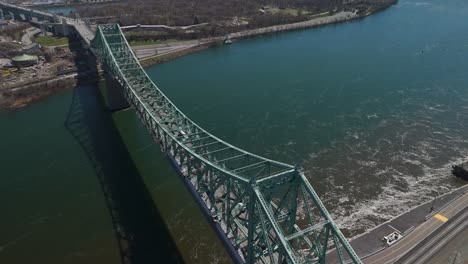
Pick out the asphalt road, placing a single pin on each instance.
(160, 49)
(454, 252)
(29, 33)
(426, 252)
(397, 250)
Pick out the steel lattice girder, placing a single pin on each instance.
(268, 210)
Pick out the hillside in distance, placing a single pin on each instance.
(240, 14)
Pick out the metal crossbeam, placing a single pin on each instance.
(216, 151)
(249, 166)
(231, 158)
(307, 230)
(205, 145)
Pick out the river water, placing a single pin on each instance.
(59, 9)
(375, 110)
(66, 9)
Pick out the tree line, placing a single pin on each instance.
(187, 12)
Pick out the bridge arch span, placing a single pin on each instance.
(266, 211)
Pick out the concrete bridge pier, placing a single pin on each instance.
(62, 28)
(115, 94)
(43, 30)
(2, 16)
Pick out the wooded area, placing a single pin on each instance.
(188, 12)
(221, 16)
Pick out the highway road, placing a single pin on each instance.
(428, 250)
(164, 48)
(396, 251)
(454, 252)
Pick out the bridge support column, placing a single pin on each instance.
(2, 16)
(12, 16)
(43, 30)
(114, 94)
(61, 28)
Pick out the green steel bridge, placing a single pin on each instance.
(263, 210)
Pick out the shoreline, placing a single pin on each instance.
(341, 17)
(21, 96)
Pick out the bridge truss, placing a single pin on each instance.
(266, 211)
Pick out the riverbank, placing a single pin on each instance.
(15, 98)
(18, 97)
(340, 17)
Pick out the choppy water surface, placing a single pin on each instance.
(375, 110)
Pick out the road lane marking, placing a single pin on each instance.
(441, 218)
(413, 235)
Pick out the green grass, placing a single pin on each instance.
(151, 42)
(52, 41)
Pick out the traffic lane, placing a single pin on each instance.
(150, 52)
(412, 239)
(455, 251)
(442, 238)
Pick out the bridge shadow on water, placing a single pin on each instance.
(141, 233)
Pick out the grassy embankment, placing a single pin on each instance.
(52, 41)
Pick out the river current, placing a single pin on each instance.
(375, 110)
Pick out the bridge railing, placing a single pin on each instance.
(267, 211)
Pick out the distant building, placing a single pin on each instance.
(24, 60)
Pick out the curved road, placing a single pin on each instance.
(29, 33)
